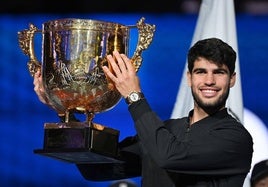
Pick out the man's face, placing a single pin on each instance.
(210, 84)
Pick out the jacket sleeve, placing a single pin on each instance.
(129, 167)
(217, 145)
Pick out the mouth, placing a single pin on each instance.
(209, 92)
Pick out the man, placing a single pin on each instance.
(259, 175)
(207, 148)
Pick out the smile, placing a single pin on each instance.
(208, 92)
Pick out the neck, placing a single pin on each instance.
(200, 113)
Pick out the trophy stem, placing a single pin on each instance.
(89, 117)
(67, 116)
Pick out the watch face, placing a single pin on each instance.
(134, 97)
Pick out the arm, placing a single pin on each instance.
(224, 150)
(218, 145)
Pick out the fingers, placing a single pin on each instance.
(40, 92)
(38, 87)
(38, 84)
(36, 77)
(36, 81)
(114, 67)
(117, 63)
(128, 63)
(120, 64)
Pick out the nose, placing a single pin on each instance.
(210, 79)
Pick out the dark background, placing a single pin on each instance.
(22, 115)
(121, 6)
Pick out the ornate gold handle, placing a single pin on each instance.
(26, 43)
(145, 37)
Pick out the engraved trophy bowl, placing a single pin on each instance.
(73, 53)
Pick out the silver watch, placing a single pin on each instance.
(134, 97)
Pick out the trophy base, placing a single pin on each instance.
(80, 143)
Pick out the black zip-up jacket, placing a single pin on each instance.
(213, 152)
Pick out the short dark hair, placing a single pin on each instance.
(215, 50)
(260, 171)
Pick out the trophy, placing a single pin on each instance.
(73, 53)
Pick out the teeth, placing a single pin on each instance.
(210, 91)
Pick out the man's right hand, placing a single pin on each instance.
(40, 92)
(39, 88)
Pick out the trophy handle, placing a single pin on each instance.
(26, 43)
(146, 33)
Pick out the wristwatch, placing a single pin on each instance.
(134, 97)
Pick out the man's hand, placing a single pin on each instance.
(40, 92)
(39, 88)
(124, 77)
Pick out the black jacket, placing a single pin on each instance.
(214, 152)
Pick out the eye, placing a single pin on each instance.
(220, 72)
(199, 71)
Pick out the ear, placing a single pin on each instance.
(189, 76)
(233, 79)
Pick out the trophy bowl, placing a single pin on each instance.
(73, 53)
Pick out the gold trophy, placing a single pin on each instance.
(73, 53)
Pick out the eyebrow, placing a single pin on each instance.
(214, 70)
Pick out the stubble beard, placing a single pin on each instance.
(211, 107)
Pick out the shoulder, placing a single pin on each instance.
(232, 129)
